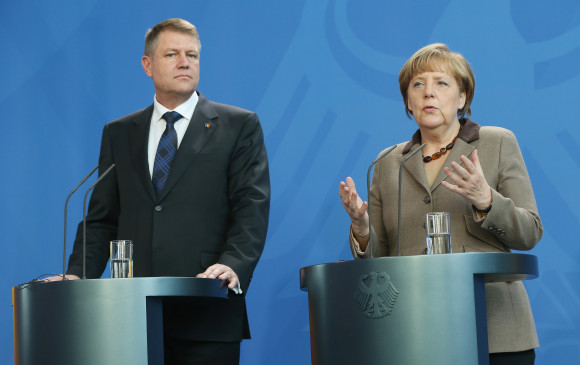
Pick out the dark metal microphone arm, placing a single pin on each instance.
(400, 195)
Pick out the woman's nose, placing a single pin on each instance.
(429, 91)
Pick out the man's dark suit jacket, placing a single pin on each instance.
(213, 209)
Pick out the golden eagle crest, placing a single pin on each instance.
(376, 295)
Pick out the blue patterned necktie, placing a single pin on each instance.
(165, 152)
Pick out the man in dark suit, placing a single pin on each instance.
(203, 211)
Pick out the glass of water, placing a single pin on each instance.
(121, 259)
(438, 226)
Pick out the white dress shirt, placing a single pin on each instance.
(158, 125)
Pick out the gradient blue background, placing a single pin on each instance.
(322, 75)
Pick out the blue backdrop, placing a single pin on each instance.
(322, 76)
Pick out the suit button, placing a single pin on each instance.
(427, 199)
(158, 208)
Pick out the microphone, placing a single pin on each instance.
(65, 218)
(372, 236)
(399, 207)
(85, 218)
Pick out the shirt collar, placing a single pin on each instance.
(468, 134)
(186, 109)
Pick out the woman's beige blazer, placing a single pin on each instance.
(512, 224)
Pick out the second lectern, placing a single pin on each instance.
(426, 309)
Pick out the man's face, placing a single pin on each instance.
(174, 67)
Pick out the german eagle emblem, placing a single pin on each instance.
(376, 295)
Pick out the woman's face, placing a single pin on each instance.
(434, 98)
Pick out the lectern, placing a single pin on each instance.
(427, 309)
(98, 321)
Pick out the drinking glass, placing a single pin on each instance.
(121, 259)
(438, 227)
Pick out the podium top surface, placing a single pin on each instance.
(495, 267)
(149, 286)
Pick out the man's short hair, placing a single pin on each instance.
(174, 24)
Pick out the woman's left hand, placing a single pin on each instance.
(469, 181)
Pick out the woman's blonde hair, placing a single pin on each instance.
(438, 57)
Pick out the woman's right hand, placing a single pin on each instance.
(355, 207)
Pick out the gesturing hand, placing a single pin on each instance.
(354, 206)
(469, 181)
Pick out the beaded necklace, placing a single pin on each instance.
(442, 151)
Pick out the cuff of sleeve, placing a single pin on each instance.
(479, 214)
(355, 240)
(237, 289)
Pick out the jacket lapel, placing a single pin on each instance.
(460, 148)
(203, 124)
(463, 146)
(139, 146)
(414, 166)
(468, 133)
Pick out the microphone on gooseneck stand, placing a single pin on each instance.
(399, 207)
(65, 219)
(372, 235)
(85, 218)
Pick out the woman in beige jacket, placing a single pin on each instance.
(475, 173)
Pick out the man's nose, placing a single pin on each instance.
(182, 60)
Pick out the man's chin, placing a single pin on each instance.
(182, 93)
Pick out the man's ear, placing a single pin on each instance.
(146, 63)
